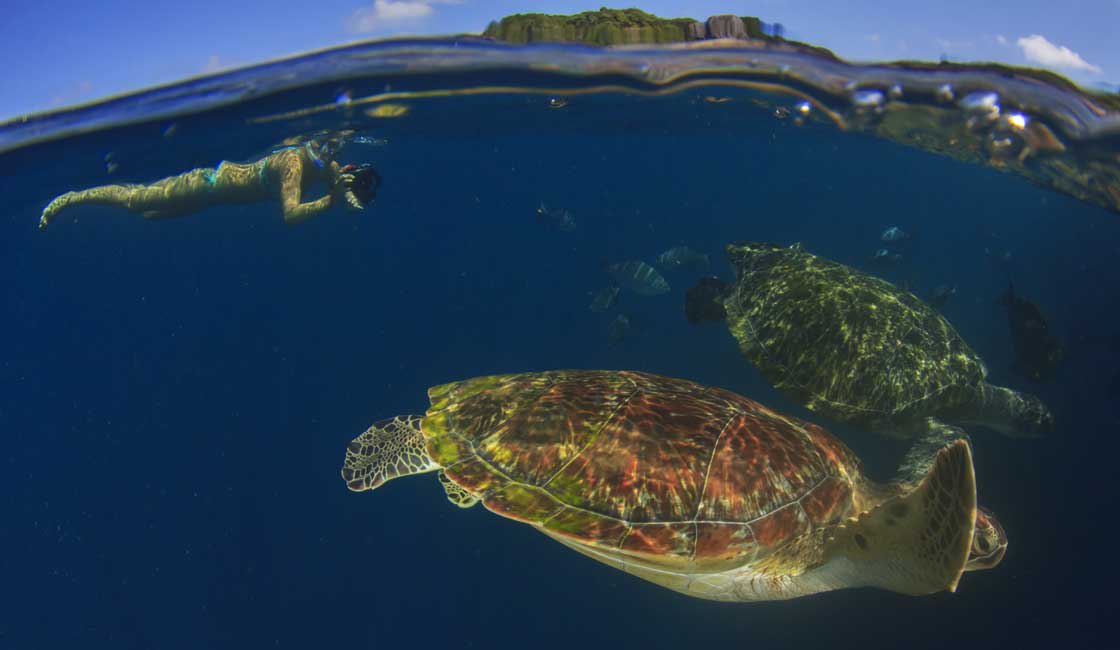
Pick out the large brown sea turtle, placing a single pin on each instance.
(856, 348)
(694, 488)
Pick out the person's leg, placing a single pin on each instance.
(174, 196)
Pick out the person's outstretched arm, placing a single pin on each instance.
(291, 191)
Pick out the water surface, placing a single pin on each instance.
(178, 394)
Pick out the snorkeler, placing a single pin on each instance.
(285, 174)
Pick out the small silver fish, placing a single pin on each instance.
(893, 234)
(683, 257)
(604, 299)
(998, 255)
(558, 219)
(884, 257)
(639, 277)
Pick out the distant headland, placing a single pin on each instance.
(614, 27)
(635, 27)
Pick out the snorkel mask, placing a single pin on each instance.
(322, 150)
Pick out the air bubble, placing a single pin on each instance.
(981, 102)
(1017, 121)
(867, 98)
(804, 108)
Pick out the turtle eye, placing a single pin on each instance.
(982, 542)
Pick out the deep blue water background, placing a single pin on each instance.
(177, 396)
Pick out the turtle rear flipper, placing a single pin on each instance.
(918, 542)
(388, 449)
(456, 493)
(930, 437)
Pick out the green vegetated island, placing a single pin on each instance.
(609, 27)
(632, 27)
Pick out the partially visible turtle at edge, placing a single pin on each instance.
(693, 488)
(856, 348)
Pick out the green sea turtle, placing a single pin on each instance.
(856, 348)
(693, 488)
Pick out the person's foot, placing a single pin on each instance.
(51, 210)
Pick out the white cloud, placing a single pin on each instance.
(1001, 39)
(1039, 50)
(384, 13)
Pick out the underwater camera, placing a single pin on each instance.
(365, 183)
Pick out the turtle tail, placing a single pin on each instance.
(388, 449)
(917, 542)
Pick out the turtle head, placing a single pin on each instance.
(704, 302)
(1014, 414)
(1029, 417)
(989, 542)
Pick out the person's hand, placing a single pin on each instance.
(341, 190)
(344, 178)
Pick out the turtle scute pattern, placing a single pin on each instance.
(654, 467)
(845, 343)
(952, 511)
(387, 449)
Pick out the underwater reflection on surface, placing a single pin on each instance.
(183, 390)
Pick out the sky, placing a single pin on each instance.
(72, 51)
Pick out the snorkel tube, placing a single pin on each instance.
(322, 151)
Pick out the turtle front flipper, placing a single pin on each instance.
(915, 543)
(1014, 414)
(388, 449)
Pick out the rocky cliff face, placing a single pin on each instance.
(622, 27)
(633, 26)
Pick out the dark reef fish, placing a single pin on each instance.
(604, 299)
(1037, 352)
(557, 219)
(941, 295)
(617, 330)
(884, 257)
(639, 277)
(683, 257)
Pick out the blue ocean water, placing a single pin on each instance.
(178, 394)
